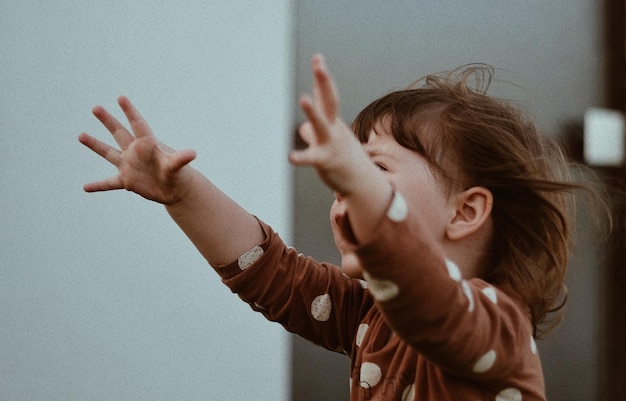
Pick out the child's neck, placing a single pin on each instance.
(471, 254)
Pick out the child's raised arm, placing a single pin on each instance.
(220, 229)
(339, 158)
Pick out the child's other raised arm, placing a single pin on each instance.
(220, 229)
(339, 158)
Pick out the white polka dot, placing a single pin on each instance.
(468, 294)
(453, 270)
(259, 307)
(360, 333)
(382, 290)
(321, 308)
(490, 293)
(363, 283)
(510, 394)
(398, 210)
(485, 362)
(370, 375)
(533, 345)
(249, 257)
(409, 393)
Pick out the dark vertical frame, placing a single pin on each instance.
(614, 322)
(615, 83)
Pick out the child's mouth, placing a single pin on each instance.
(345, 228)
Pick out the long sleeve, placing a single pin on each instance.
(466, 328)
(415, 330)
(314, 300)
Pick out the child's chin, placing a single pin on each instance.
(350, 266)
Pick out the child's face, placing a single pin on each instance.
(430, 204)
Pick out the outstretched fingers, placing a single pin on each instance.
(319, 126)
(321, 112)
(123, 136)
(180, 159)
(306, 156)
(138, 124)
(119, 132)
(107, 184)
(108, 152)
(324, 91)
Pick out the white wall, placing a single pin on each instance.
(101, 296)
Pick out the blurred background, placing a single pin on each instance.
(101, 295)
(103, 298)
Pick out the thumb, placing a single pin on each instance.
(181, 158)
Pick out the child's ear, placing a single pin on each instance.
(472, 209)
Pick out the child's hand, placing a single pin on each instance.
(145, 166)
(332, 147)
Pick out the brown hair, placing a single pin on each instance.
(472, 139)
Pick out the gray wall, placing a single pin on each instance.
(551, 53)
(101, 296)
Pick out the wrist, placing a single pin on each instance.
(187, 180)
(354, 170)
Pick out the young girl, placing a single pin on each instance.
(451, 221)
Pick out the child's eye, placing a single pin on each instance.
(381, 166)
